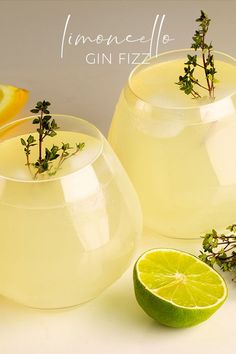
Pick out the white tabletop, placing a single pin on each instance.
(114, 323)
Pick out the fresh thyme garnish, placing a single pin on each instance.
(47, 128)
(220, 249)
(188, 82)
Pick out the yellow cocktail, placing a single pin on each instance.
(67, 237)
(179, 152)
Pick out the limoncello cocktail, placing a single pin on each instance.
(65, 237)
(179, 152)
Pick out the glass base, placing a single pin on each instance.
(157, 233)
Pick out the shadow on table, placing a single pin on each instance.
(118, 305)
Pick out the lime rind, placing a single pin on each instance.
(181, 294)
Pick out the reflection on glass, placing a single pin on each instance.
(180, 153)
(64, 238)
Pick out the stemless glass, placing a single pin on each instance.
(181, 158)
(65, 238)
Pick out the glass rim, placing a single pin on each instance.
(67, 175)
(174, 108)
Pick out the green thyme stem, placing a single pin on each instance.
(64, 156)
(195, 93)
(36, 174)
(205, 70)
(220, 249)
(197, 83)
(40, 136)
(200, 66)
(46, 128)
(27, 161)
(28, 165)
(187, 82)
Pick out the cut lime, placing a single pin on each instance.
(176, 288)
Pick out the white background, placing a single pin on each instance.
(30, 39)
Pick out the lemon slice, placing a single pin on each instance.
(12, 99)
(176, 288)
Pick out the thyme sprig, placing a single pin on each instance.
(47, 127)
(220, 249)
(188, 82)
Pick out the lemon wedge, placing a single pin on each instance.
(12, 99)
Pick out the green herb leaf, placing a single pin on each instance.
(23, 142)
(34, 110)
(47, 128)
(188, 83)
(220, 249)
(35, 121)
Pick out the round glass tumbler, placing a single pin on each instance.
(179, 152)
(67, 237)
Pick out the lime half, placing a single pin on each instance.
(176, 288)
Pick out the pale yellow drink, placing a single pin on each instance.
(13, 158)
(179, 152)
(65, 238)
